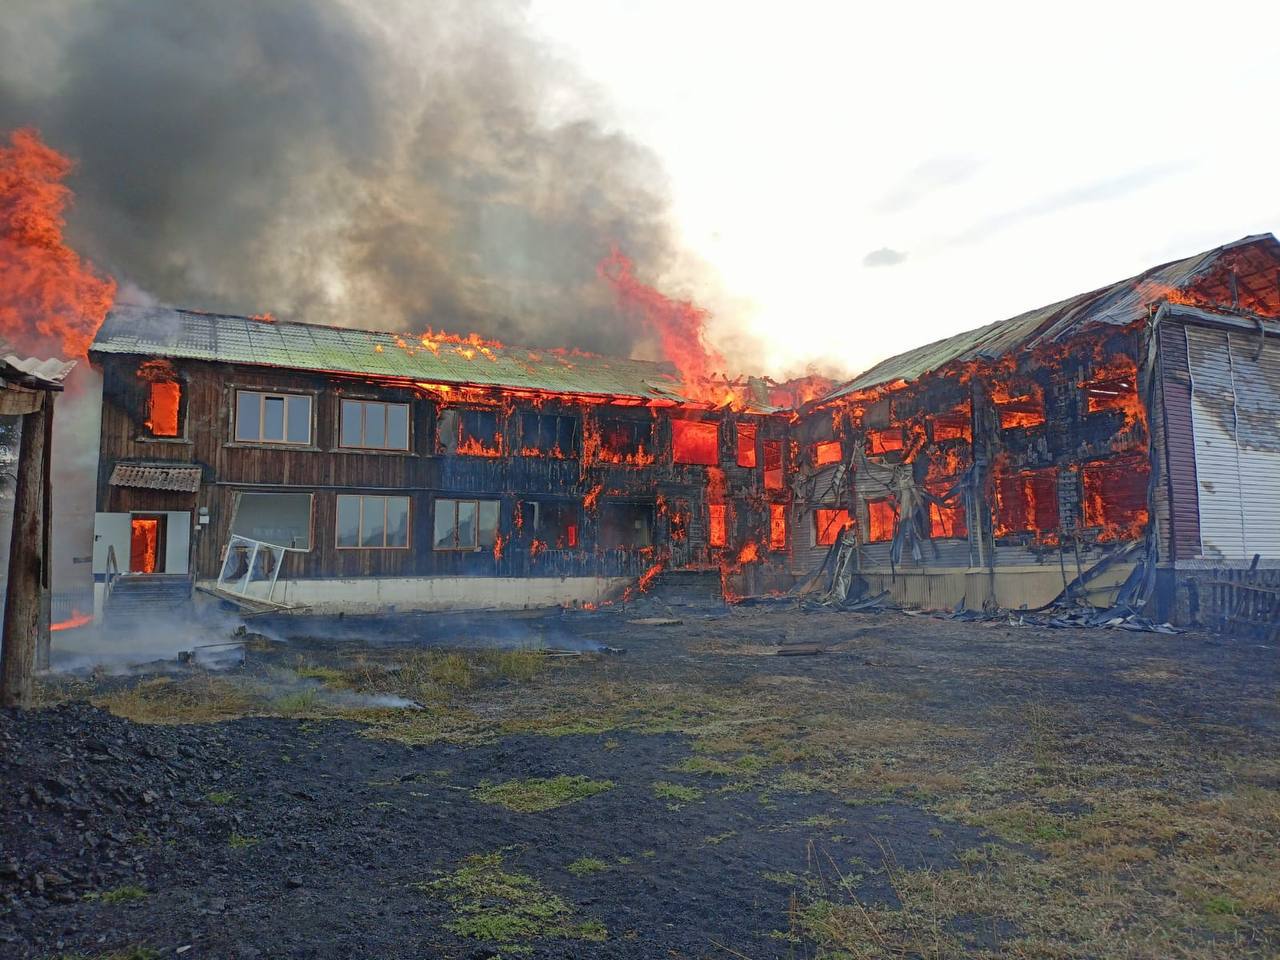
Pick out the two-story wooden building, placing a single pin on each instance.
(316, 468)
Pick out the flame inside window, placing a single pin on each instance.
(946, 520)
(695, 441)
(1114, 386)
(829, 524)
(163, 400)
(1115, 497)
(827, 452)
(773, 479)
(955, 425)
(777, 526)
(144, 544)
(1027, 503)
(746, 444)
(1018, 410)
(626, 441)
(884, 441)
(479, 434)
(717, 531)
(882, 517)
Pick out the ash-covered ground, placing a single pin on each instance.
(436, 787)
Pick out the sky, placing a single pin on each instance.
(863, 179)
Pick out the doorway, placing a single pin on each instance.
(146, 543)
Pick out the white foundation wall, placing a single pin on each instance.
(1009, 587)
(392, 594)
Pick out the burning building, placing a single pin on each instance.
(1135, 426)
(296, 466)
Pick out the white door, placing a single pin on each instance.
(177, 541)
(110, 530)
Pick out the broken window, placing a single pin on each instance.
(888, 440)
(478, 433)
(1018, 410)
(828, 524)
(555, 523)
(827, 452)
(549, 435)
(746, 444)
(1113, 387)
(465, 524)
(955, 425)
(272, 417)
(281, 519)
(946, 519)
(777, 526)
(1115, 497)
(773, 479)
(696, 442)
(164, 402)
(626, 525)
(717, 524)
(882, 517)
(1027, 502)
(622, 439)
(377, 523)
(373, 425)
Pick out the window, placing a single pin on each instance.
(1114, 387)
(826, 452)
(1115, 497)
(273, 417)
(280, 519)
(773, 465)
(717, 527)
(1019, 410)
(372, 523)
(828, 525)
(1027, 502)
(626, 440)
(465, 524)
(164, 403)
(626, 525)
(695, 441)
(952, 426)
(555, 523)
(548, 435)
(946, 520)
(746, 444)
(478, 433)
(882, 517)
(371, 425)
(777, 526)
(884, 441)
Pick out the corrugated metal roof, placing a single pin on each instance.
(186, 334)
(155, 476)
(1119, 304)
(31, 372)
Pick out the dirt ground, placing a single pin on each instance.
(923, 788)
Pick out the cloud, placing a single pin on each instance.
(884, 257)
(932, 175)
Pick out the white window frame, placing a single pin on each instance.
(263, 396)
(361, 545)
(385, 406)
(460, 547)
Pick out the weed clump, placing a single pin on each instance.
(129, 893)
(585, 866)
(665, 790)
(539, 793)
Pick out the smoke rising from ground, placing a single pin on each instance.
(391, 166)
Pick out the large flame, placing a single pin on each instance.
(51, 302)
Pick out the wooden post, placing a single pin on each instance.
(26, 562)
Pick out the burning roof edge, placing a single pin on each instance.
(177, 333)
(1118, 304)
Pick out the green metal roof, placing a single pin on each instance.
(150, 331)
(1119, 304)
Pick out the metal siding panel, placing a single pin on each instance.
(1255, 366)
(1213, 422)
(1178, 442)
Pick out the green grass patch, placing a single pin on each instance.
(239, 841)
(497, 906)
(220, 798)
(297, 704)
(540, 793)
(329, 676)
(676, 793)
(129, 893)
(585, 866)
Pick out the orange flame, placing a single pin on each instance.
(50, 300)
(77, 619)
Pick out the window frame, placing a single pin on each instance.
(893, 508)
(720, 510)
(778, 520)
(818, 530)
(455, 501)
(364, 411)
(681, 425)
(238, 497)
(753, 433)
(532, 450)
(284, 396)
(385, 498)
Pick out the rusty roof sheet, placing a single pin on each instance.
(1119, 304)
(32, 372)
(156, 476)
(186, 334)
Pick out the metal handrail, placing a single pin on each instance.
(113, 572)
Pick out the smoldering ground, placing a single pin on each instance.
(389, 166)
